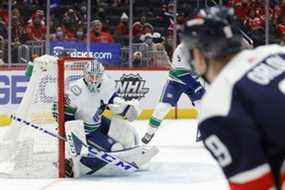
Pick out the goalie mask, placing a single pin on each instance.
(93, 75)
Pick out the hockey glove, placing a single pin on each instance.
(149, 134)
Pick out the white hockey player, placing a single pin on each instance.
(86, 99)
(182, 79)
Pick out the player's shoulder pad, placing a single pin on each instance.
(218, 97)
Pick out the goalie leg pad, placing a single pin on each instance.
(75, 136)
(101, 141)
(139, 156)
(93, 164)
(81, 166)
(123, 132)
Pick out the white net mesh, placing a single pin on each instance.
(26, 152)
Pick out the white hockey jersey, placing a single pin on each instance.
(182, 59)
(89, 106)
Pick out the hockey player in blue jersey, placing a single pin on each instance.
(242, 113)
(182, 79)
(85, 101)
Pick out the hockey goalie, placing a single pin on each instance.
(85, 101)
(87, 129)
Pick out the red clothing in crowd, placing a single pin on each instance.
(4, 16)
(232, 3)
(241, 11)
(282, 9)
(281, 30)
(255, 23)
(36, 33)
(68, 35)
(102, 37)
(122, 29)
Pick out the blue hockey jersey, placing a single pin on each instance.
(242, 120)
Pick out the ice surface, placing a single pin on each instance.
(181, 164)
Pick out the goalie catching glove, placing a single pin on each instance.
(129, 110)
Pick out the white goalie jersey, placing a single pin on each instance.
(87, 106)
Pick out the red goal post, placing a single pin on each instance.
(62, 62)
(25, 151)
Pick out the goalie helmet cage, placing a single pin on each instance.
(27, 152)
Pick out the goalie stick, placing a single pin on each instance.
(104, 156)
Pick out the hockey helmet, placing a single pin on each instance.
(214, 32)
(93, 75)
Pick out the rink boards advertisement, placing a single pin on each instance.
(107, 53)
(144, 85)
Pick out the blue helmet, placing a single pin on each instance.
(214, 32)
(93, 75)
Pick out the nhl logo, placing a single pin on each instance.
(131, 86)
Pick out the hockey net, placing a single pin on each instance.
(25, 151)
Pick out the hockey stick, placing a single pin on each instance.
(104, 156)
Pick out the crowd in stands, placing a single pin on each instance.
(252, 15)
(68, 21)
(110, 21)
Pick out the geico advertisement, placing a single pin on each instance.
(146, 86)
(12, 87)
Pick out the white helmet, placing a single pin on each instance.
(93, 75)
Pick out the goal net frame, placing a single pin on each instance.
(61, 93)
(23, 150)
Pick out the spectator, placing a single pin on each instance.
(142, 20)
(137, 30)
(254, 20)
(281, 27)
(17, 30)
(36, 30)
(168, 43)
(147, 28)
(97, 35)
(3, 29)
(101, 15)
(256, 25)
(70, 24)
(59, 34)
(161, 15)
(147, 39)
(80, 34)
(180, 23)
(4, 15)
(83, 13)
(39, 14)
(168, 17)
(241, 8)
(122, 29)
(160, 56)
